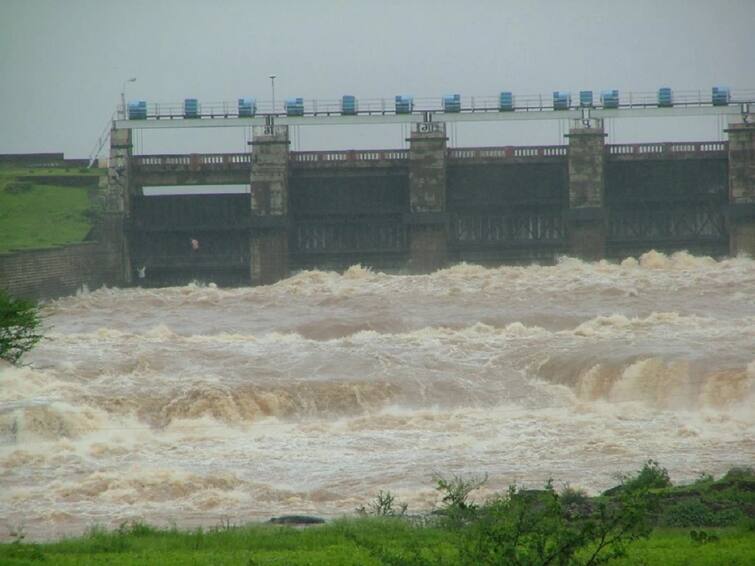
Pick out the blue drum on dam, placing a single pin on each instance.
(665, 97)
(247, 107)
(609, 98)
(404, 104)
(561, 100)
(721, 96)
(506, 101)
(137, 110)
(452, 103)
(294, 106)
(191, 108)
(348, 105)
(585, 98)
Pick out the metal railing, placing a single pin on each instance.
(486, 103)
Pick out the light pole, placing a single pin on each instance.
(123, 96)
(272, 85)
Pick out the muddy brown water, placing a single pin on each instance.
(195, 405)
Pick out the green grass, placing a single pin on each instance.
(34, 215)
(675, 547)
(363, 541)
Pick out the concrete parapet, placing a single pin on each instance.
(586, 218)
(269, 205)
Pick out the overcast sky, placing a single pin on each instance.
(62, 63)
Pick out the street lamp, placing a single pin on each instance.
(272, 84)
(123, 96)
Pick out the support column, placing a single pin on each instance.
(117, 203)
(741, 210)
(427, 220)
(587, 217)
(269, 200)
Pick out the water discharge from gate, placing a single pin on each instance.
(191, 404)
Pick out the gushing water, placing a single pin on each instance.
(195, 403)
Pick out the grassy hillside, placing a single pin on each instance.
(39, 209)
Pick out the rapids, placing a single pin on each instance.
(193, 404)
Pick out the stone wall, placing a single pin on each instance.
(56, 272)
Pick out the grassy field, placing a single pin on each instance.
(362, 541)
(39, 215)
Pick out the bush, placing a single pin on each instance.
(18, 187)
(384, 505)
(19, 322)
(688, 513)
(651, 476)
(573, 496)
(740, 473)
(533, 527)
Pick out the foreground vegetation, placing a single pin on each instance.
(39, 209)
(19, 327)
(621, 527)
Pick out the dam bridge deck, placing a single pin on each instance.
(386, 158)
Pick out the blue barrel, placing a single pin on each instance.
(665, 97)
(585, 98)
(561, 100)
(247, 107)
(506, 101)
(191, 108)
(348, 105)
(721, 96)
(452, 103)
(609, 98)
(137, 110)
(404, 104)
(294, 106)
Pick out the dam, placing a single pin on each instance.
(183, 402)
(422, 208)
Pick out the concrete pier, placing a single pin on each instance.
(117, 201)
(269, 205)
(427, 219)
(741, 209)
(587, 217)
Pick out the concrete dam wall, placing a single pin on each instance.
(426, 207)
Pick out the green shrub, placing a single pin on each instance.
(19, 323)
(651, 476)
(384, 505)
(532, 527)
(740, 473)
(19, 187)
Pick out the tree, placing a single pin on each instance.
(19, 326)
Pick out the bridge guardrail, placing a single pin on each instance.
(199, 161)
(667, 148)
(349, 155)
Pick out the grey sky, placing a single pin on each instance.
(62, 63)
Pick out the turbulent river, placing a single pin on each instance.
(193, 405)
